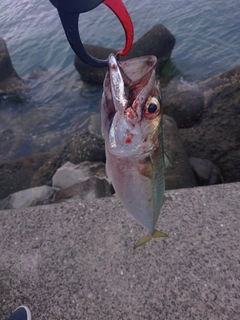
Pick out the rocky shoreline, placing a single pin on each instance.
(201, 133)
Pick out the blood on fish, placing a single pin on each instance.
(129, 113)
(129, 139)
(129, 136)
(114, 67)
(135, 105)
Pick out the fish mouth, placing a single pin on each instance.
(129, 79)
(128, 85)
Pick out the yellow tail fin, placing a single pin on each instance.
(145, 239)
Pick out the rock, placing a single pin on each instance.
(205, 170)
(185, 107)
(89, 189)
(85, 147)
(44, 174)
(38, 169)
(10, 83)
(168, 73)
(216, 136)
(70, 174)
(180, 175)
(28, 198)
(31, 130)
(17, 175)
(7, 141)
(87, 180)
(158, 42)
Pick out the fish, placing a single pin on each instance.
(132, 126)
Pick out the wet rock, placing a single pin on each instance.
(85, 147)
(28, 198)
(185, 107)
(7, 141)
(158, 42)
(70, 173)
(89, 189)
(205, 171)
(44, 174)
(216, 136)
(180, 175)
(17, 175)
(11, 85)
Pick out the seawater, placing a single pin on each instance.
(207, 42)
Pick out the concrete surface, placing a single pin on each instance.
(76, 260)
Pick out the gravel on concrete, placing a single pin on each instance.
(75, 260)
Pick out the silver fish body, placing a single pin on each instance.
(132, 127)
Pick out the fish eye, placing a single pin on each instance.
(152, 107)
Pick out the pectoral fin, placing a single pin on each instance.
(145, 167)
(145, 239)
(167, 161)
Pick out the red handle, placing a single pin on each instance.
(118, 7)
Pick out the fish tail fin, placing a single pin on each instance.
(145, 239)
(142, 241)
(159, 234)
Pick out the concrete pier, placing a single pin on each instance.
(75, 260)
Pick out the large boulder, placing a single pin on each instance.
(180, 174)
(212, 106)
(206, 171)
(10, 83)
(84, 147)
(158, 42)
(185, 107)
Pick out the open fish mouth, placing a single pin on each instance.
(133, 90)
(129, 78)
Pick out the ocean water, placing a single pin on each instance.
(207, 42)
